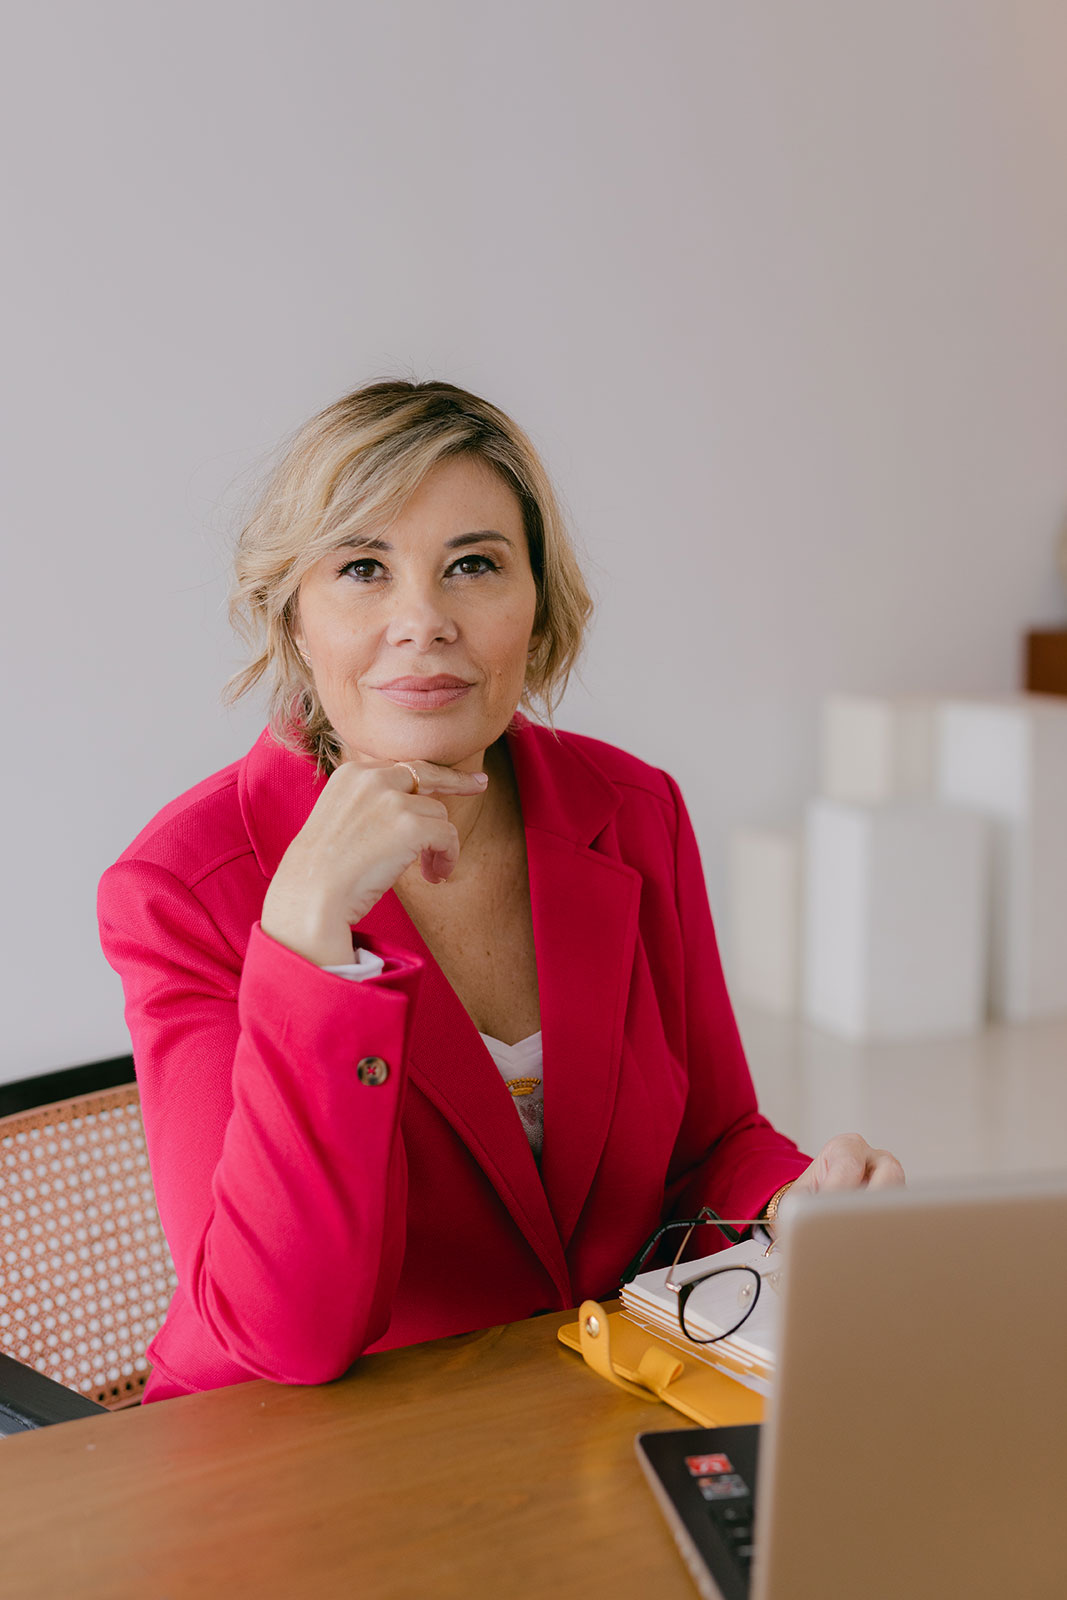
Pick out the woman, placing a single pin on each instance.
(363, 962)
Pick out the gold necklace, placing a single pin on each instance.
(470, 831)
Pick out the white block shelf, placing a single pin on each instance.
(878, 748)
(895, 919)
(1006, 758)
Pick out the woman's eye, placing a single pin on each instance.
(489, 565)
(351, 566)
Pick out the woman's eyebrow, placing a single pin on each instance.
(456, 543)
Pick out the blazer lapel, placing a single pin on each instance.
(585, 906)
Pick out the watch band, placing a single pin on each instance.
(770, 1210)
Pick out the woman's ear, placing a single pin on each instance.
(301, 649)
(295, 631)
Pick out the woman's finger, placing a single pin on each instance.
(436, 866)
(884, 1171)
(433, 778)
(842, 1162)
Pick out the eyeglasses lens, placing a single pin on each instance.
(718, 1305)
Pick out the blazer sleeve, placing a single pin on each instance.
(280, 1177)
(727, 1154)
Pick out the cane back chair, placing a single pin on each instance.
(85, 1272)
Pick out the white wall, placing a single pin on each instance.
(778, 288)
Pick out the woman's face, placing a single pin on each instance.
(446, 589)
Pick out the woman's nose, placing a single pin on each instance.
(419, 617)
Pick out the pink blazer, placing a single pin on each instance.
(313, 1216)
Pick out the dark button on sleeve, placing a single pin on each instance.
(373, 1070)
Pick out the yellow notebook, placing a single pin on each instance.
(646, 1366)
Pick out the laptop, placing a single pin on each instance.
(915, 1443)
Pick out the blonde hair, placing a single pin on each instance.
(354, 465)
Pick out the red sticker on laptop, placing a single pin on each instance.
(703, 1466)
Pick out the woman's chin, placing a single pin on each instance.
(447, 740)
(413, 744)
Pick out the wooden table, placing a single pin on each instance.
(492, 1463)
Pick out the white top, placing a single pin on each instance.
(518, 1064)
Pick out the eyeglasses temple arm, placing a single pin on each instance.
(733, 1227)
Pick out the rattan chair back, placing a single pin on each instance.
(85, 1272)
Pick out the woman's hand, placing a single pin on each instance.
(846, 1162)
(365, 829)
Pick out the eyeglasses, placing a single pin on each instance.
(719, 1295)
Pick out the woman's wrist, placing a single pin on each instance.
(318, 936)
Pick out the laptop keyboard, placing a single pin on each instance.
(735, 1522)
(729, 1505)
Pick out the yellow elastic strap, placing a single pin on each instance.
(656, 1371)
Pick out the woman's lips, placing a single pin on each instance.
(426, 699)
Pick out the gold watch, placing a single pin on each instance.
(770, 1210)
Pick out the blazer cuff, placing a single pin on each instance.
(389, 961)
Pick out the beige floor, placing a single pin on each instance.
(995, 1101)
